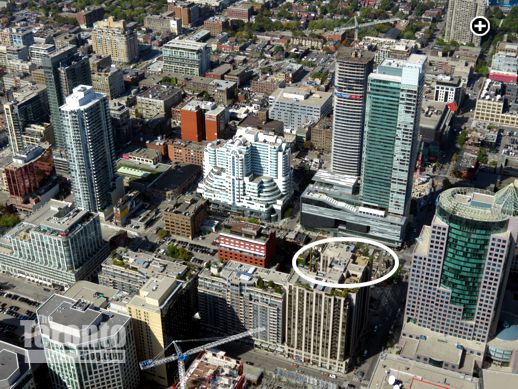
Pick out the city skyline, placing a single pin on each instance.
(229, 193)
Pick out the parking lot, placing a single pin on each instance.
(14, 309)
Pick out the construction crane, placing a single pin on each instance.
(181, 357)
(357, 26)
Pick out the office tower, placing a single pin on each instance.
(298, 108)
(323, 325)
(390, 146)
(86, 125)
(250, 173)
(86, 346)
(30, 106)
(64, 69)
(461, 263)
(458, 19)
(353, 67)
(115, 38)
(238, 297)
(186, 57)
(162, 311)
(57, 245)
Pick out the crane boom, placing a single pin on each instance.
(150, 363)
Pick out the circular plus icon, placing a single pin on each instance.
(480, 26)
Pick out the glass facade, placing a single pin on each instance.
(380, 135)
(465, 257)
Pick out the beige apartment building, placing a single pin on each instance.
(115, 38)
(161, 311)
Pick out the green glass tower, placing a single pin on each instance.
(462, 261)
(391, 128)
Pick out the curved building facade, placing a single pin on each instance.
(462, 261)
(249, 173)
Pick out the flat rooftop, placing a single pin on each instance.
(417, 375)
(159, 92)
(156, 293)
(64, 319)
(14, 363)
(146, 264)
(247, 273)
(186, 206)
(353, 55)
(98, 295)
(293, 95)
(337, 263)
(185, 44)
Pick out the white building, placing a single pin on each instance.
(250, 173)
(86, 346)
(86, 123)
(448, 89)
(59, 244)
(297, 107)
(186, 57)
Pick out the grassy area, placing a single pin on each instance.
(8, 219)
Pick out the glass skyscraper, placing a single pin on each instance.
(391, 129)
(64, 69)
(462, 261)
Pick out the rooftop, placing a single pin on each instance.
(98, 295)
(146, 264)
(481, 205)
(246, 274)
(224, 372)
(338, 263)
(185, 44)
(160, 92)
(14, 363)
(417, 375)
(155, 293)
(186, 205)
(354, 55)
(64, 319)
(301, 96)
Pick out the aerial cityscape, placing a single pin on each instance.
(270, 194)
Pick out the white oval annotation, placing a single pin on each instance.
(345, 239)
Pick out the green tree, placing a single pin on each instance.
(9, 220)
(461, 139)
(161, 234)
(482, 156)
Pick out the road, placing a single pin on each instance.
(269, 362)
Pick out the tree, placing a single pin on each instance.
(161, 234)
(9, 220)
(461, 139)
(179, 252)
(482, 156)
(446, 184)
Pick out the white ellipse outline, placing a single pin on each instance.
(345, 239)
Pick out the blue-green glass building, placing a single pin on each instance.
(391, 130)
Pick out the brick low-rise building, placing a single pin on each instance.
(247, 243)
(186, 152)
(185, 217)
